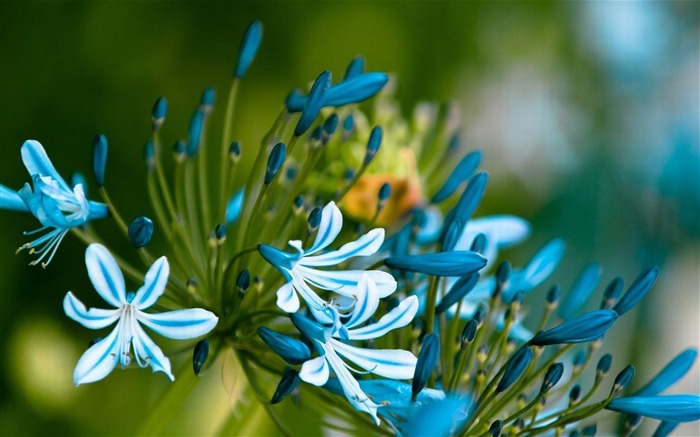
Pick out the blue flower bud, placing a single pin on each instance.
(140, 232)
(243, 281)
(589, 430)
(289, 349)
(496, 428)
(348, 125)
(298, 204)
(468, 333)
(234, 207)
(612, 292)
(670, 374)
(672, 408)
(278, 258)
(581, 290)
(220, 233)
(375, 140)
(503, 276)
(603, 366)
(179, 150)
(158, 113)
(515, 367)
(665, 428)
(195, 132)
(479, 314)
(149, 155)
(275, 161)
(199, 357)
(313, 104)
(457, 292)
(314, 219)
(356, 68)
(452, 231)
(310, 329)
(207, 100)
(478, 244)
(249, 48)
(330, 125)
(636, 292)
(623, 379)
(356, 89)
(348, 175)
(461, 173)
(553, 295)
(552, 377)
(290, 381)
(294, 101)
(632, 422)
(99, 159)
(467, 203)
(234, 151)
(427, 360)
(454, 144)
(454, 263)
(291, 172)
(579, 360)
(575, 394)
(581, 329)
(384, 193)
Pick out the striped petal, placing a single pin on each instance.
(315, 371)
(149, 354)
(180, 324)
(93, 318)
(345, 281)
(367, 302)
(389, 363)
(366, 245)
(328, 229)
(287, 299)
(398, 317)
(37, 162)
(105, 275)
(153, 284)
(98, 361)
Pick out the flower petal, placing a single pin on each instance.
(94, 318)
(145, 349)
(396, 318)
(345, 281)
(366, 245)
(389, 363)
(315, 371)
(287, 299)
(98, 361)
(367, 302)
(153, 284)
(328, 229)
(9, 199)
(180, 324)
(37, 162)
(105, 275)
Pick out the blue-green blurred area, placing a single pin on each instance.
(587, 114)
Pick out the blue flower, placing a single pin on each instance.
(389, 363)
(581, 329)
(102, 357)
(672, 408)
(52, 201)
(301, 269)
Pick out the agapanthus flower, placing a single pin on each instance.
(128, 313)
(53, 202)
(388, 363)
(301, 269)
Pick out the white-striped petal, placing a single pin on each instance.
(328, 229)
(315, 371)
(37, 162)
(94, 318)
(287, 299)
(366, 245)
(105, 275)
(148, 353)
(389, 363)
(398, 317)
(366, 304)
(180, 324)
(345, 281)
(99, 360)
(9, 199)
(153, 284)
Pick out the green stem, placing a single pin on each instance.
(169, 404)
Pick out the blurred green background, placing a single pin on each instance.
(587, 113)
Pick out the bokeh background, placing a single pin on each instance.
(587, 114)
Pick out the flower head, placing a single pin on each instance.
(52, 201)
(128, 313)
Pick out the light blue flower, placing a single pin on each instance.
(101, 358)
(388, 363)
(301, 269)
(52, 201)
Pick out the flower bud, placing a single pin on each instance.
(99, 159)
(199, 357)
(289, 349)
(207, 100)
(603, 367)
(234, 207)
(356, 68)
(313, 103)
(636, 292)
(622, 380)
(427, 360)
(375, 140)
(496, 428)
(234, 151)
(461, 173)
(140, 232)
(574, 395)
(275, 162)
(478, 244)
(290, 381)
(249, 48)
(158, 113)
(468, 333)
(243, 281)
(552, 377)
(514, 368)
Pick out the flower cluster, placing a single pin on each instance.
(391, 293)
